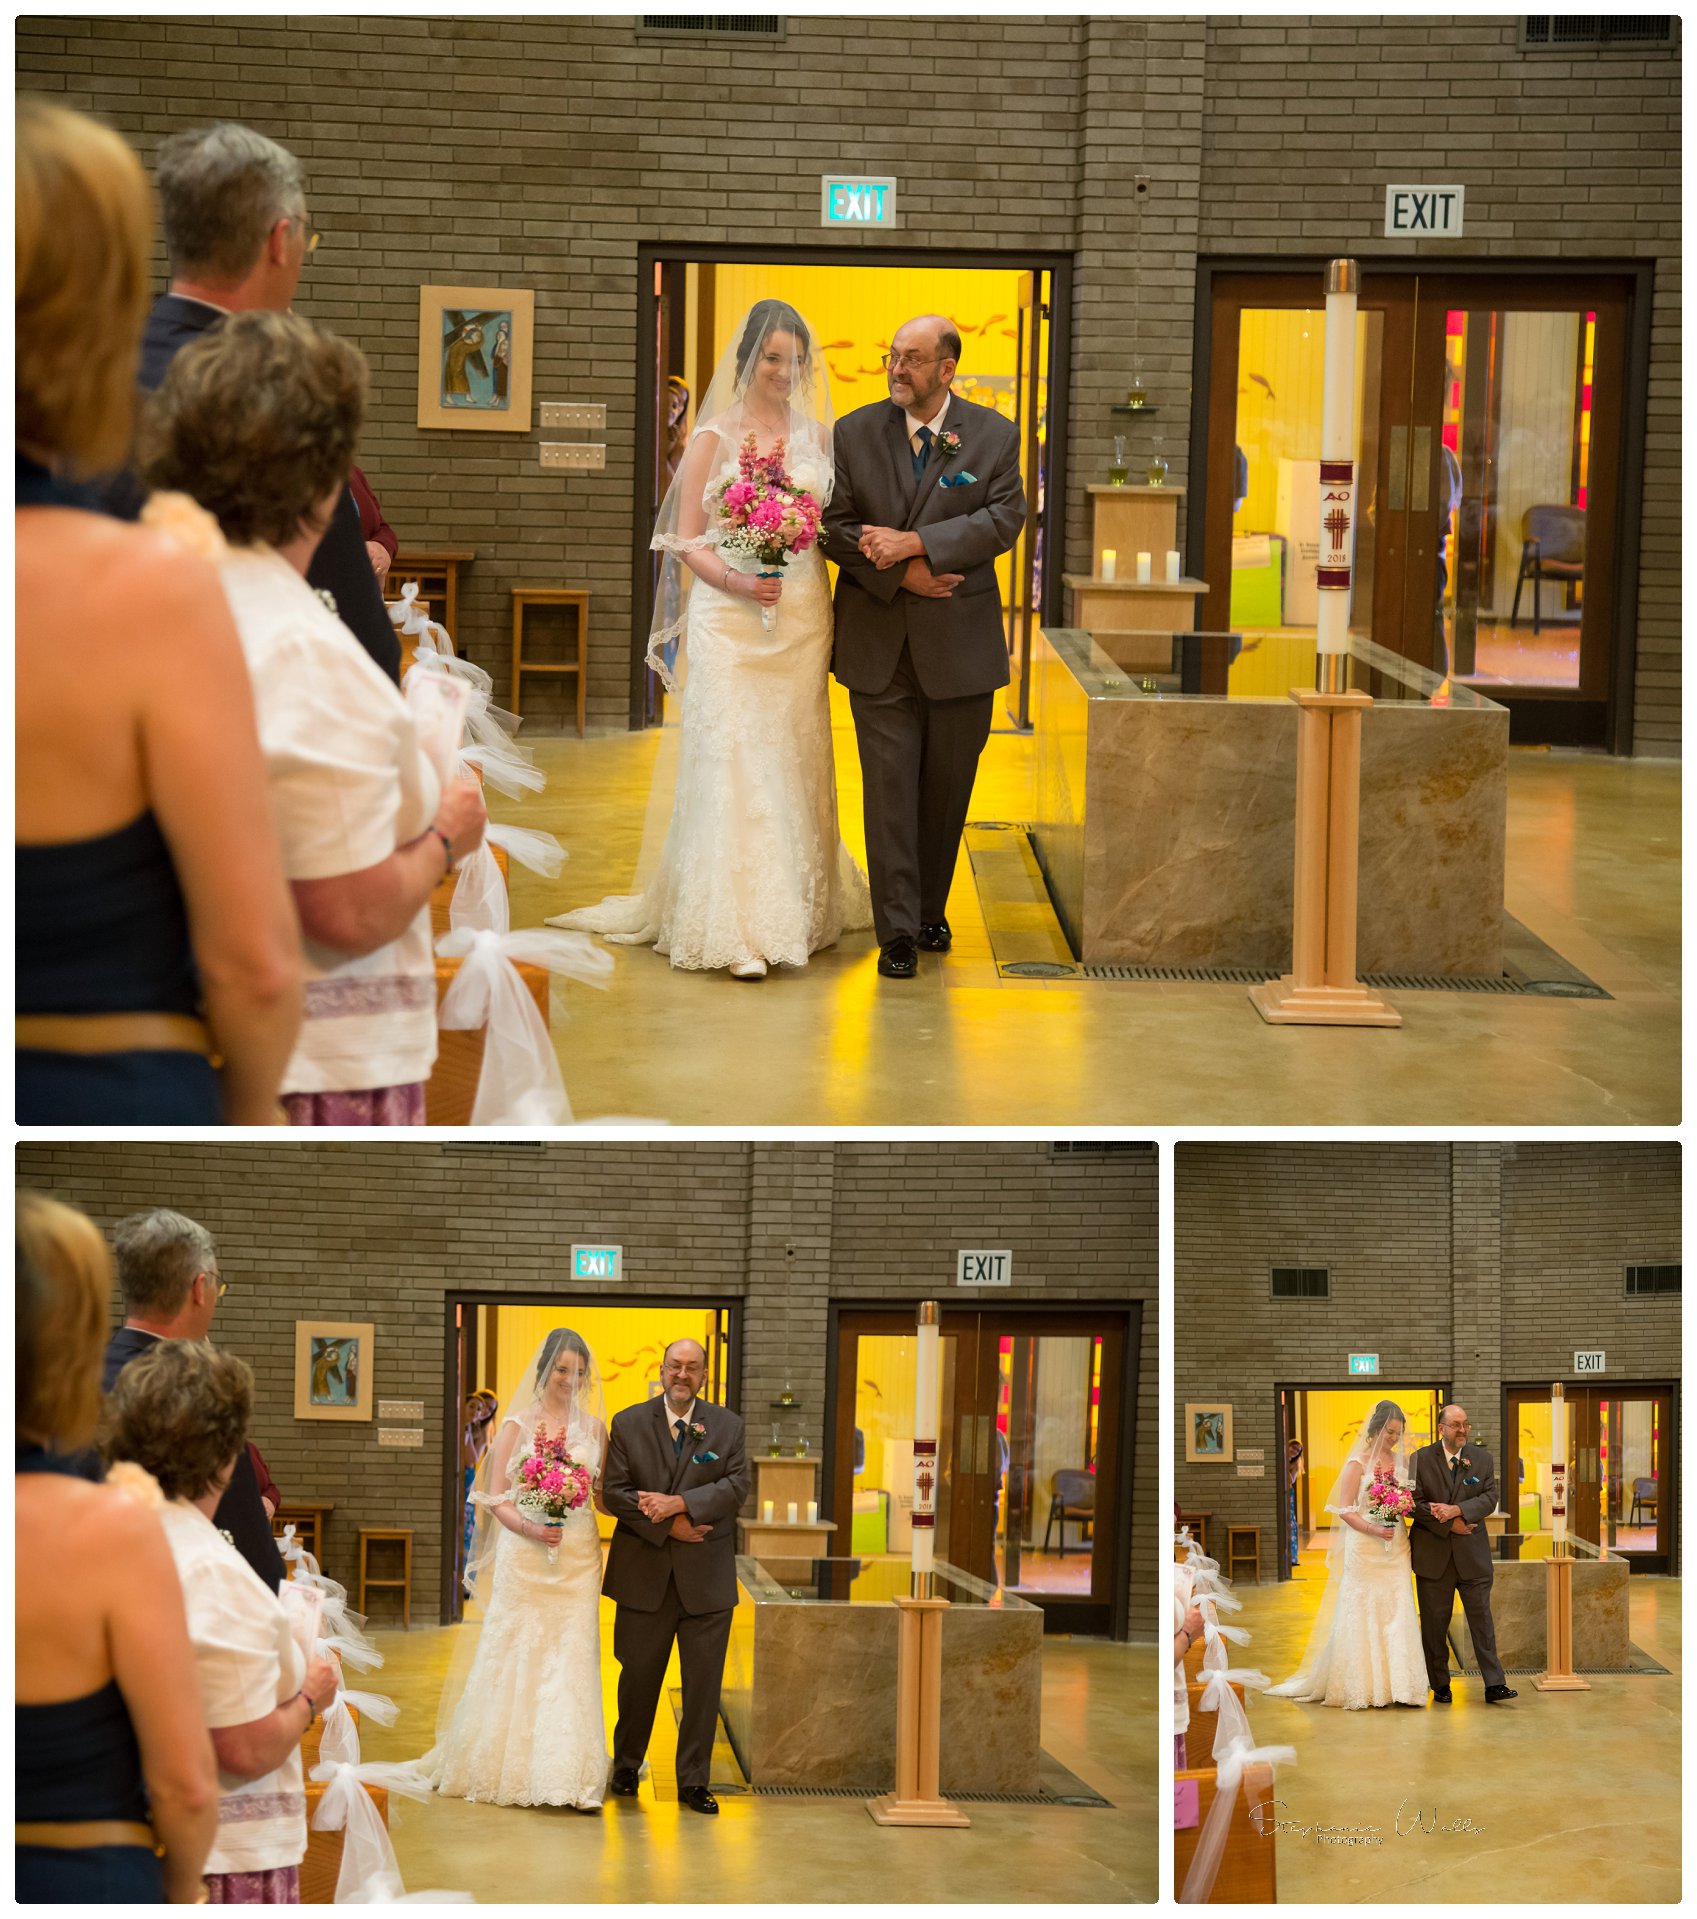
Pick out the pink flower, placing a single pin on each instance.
(554, 1481)
(738, 493)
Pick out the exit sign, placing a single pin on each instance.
(1588, 1363)
(851, 200)
(982, 1268)
(1363, 1363)
(1424, 213)
(598, 1262)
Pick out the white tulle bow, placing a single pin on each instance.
(370, 1873)
(535, 851)
(1217, 1687)
(520, 1083)
(1230, 1763)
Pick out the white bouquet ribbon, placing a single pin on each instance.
(370, 1872)
(520, 1084)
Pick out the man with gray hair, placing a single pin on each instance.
(168, 1275)
(236, 227)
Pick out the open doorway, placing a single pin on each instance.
(1326, 1421)
(1012, 313)
(489, 1342)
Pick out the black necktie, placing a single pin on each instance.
(923, 436)
(1455, 1465)
(678, 1440)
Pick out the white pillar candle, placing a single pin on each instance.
(766, 1510)
(1173, 574)
(792, 1512)
(1144, 564)
(1558, 1464)
(813, 1512)
(1110, 559)
(925, 1443)
(1337, 460)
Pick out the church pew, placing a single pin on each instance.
(451, 1090)
(1247, 1874)
(323, 1859)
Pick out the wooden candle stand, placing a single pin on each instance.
(1558, 1630)
(917, 1800)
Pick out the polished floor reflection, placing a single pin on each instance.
(1099, 1721)
(1593, 870)
(1566, 1792)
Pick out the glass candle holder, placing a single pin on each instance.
(1157, 473)
(1119, 468)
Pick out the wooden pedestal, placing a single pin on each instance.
(916, 1800)
(1558, 1600)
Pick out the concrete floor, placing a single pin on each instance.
(1593, 869)
(1099, 1721)
(1576, 1795)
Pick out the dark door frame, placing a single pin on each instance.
(453, 1503)
(1635, 404)
(652, 253)
(1618, 1388)
(1130, 1312)
(1281, 1386)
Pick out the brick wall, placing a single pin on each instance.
(386, 1232)
(486, 151)
(1477, 1263)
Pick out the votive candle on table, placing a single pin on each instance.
(792, 1512)
(766, 1510)
(1173, 574)
(813, 1512)
(1110, 559)
(1144, 564)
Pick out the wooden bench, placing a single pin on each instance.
(1247, 1874)
(323, 1861)
(311, 1521)
(436, 569)
(1199, 1739)
(451, 1090)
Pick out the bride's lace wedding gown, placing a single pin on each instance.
(753, 867)
(1373, 1655)
(529, 1729)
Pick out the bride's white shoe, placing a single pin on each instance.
(748, 969)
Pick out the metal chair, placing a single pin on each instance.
(1643, 1494)
(1072, 1495)
(1552, 546)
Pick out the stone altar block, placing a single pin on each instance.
(1165, 824)
(1601, 1622)
(810, 1688)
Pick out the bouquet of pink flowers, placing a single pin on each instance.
(1389, 1501)
(551, 1483)
(767, 516)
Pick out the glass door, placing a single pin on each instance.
(1025, 575)
(1031, 1492)
(1621, 1469)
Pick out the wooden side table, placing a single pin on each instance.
(525, 597)
(1236, 1553)
(437, 571)
(375, 1535)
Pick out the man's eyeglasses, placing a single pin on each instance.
(891, 361)
(313, 236)
(212, 1279)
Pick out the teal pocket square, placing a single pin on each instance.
(702, 1459)
(958, 479)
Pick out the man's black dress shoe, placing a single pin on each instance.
(698, 1799)
(623, 1782)
(936, 938)
(1495, 1695)
(898, 959)
(1441, 1698)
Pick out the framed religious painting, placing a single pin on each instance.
(474, 354)
(333, 1369)
(1208, 1434)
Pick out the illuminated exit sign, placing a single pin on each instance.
(848, 201)
(598, 1262)
(1363, 1363)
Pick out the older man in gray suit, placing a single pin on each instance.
(675, 1477)
(927, 496)
(1455, 1486)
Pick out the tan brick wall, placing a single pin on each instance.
(540, 152)
(1479, 1263)
(386, 1232)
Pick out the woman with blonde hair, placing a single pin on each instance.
(116, 1790)
(158, 969)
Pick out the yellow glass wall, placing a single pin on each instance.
(1334, 1422)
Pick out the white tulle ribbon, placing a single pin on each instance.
(536, 852)
(370, 1873)
(353, 1649)
(520, 1083)
(506, 769)
(1217, 1687)
(1229, 1767)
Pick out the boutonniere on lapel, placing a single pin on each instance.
(947, 447)
(697, 1431)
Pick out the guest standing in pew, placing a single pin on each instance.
(381, 545)
(237, 231)
(180, 1412)
(116, 1795)
(158, 965)
(168, 1276)
(258, 422)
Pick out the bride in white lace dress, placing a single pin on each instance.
(753, 873)
(521, 1722)
(1364, 1649)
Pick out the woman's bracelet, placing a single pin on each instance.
(447, 848)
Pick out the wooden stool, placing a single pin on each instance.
(368, 1535)
(528, 596)
(1234, 1553)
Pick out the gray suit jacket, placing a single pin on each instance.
(1431, 1545)
(958, 645)
(643, 1556)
